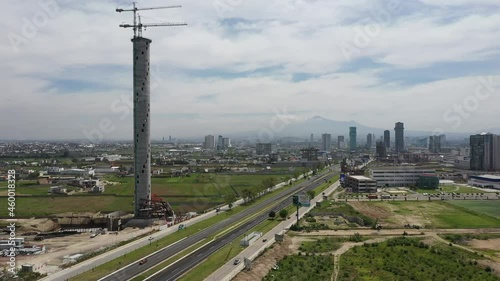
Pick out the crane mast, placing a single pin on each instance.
(138, 26)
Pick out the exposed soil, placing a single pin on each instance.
(57, 248)
(389, 217)
(371, 210)
(263, 264)
(491, 244)
(495, 266)
(37, 225)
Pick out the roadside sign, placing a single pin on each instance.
(342, 177)
(304, 200)
(301, 200)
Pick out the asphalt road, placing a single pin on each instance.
(135, 268)
(184, 265)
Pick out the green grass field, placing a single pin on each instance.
(409, 259)
(486, 207)
(302, 268)
(196, 185)
(196, 193)
(46, 206)
(428, 214)
(452, 188)
(322, 245)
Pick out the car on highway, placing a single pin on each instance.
(143, 261)
(237, 261)
(265, 240)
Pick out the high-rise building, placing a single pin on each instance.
(485, 152)
(220, 143)
(369, 141)
(263, 148)
(142, 141)
(423, 142)
(340, 142)
(381, 150)
(326, 141)
(226, 142)
(400, 137)
(311, 141)
(387, 139)
(352, 138)
(209, 142)
(435, 144)
(443, 140)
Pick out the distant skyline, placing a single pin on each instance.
(433, 65)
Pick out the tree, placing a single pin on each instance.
(229, 199)
(272, 214)
(283, 214)
(311, 194)
(247, 194)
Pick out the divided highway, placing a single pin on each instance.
(182, 266)
(196, 257)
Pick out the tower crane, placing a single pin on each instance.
(138, 25)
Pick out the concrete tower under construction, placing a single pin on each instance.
(146, 206)
(142, 144)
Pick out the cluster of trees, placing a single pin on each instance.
(389, 261)
(283, 214)
(249, 194)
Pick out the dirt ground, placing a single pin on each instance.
(371, 210)
(263, 264)
(57, 248)
(494, 265)
(492, 244)
(388, 217)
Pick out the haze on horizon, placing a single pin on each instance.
(67, 66)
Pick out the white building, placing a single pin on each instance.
(58, 190)
(398, 176)
(486, 181)
(361, 184)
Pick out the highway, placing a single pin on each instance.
(196, 257)
(183, 265)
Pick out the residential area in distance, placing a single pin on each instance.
(71, 193)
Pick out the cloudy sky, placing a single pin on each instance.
(67, 67)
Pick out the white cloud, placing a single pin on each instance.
(82, 41)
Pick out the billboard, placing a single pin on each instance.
(301, 200)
